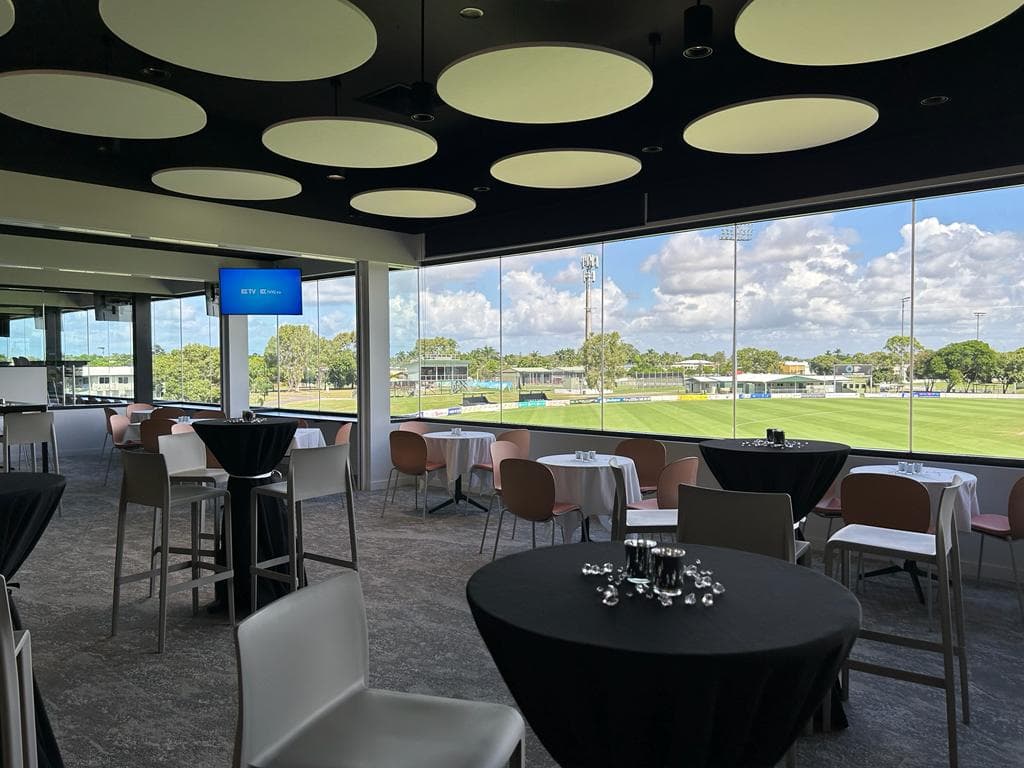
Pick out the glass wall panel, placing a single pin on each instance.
(336, 318)
(969, 323)
(106, 348)
(404, 329)
(186, 351)
(263, 375)
(823, 323)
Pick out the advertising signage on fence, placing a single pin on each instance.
(532, 403)
(852, 369)
(693, 397)
(584, 400)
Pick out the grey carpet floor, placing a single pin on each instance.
(115, 703)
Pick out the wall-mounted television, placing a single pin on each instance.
(112, 308)
(260, 291)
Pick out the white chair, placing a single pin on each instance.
(941, 550)
(303, 663)
(626, 520)
(761, 523)
(312, 473)
(146, 482)
(29, 429)
(17, 694)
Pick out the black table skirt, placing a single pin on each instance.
(645, 686)
(249, 452)
(804, 473)
(27, 502)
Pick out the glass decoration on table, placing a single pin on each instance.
(669, 570)
(639, 560)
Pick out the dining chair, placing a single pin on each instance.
(528, 490)
(518, 437)
(133, 407)
(151, 429)
(409, 457)
(181, 429)
(500, 450)
(118, 427)
(761, 523)
(166, 412)
(303, 664)
(1009, 528)
(626, 520)
(208, 414)
(17, 692)
(107, 434)
(419, 427)
(830, 507)
(312, 474)
(940, 549)
(146, 482)
(649, 456)
(674, 474)
(344, 434)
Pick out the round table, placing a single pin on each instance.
(935, 479)
(805, 473)
(141, 415)
(590, 485)
(642, 685)
(27, 502)
(459, 453)
(249, 451)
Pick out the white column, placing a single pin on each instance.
(373, 357)
(234, 364)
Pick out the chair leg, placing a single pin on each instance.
(426, 484)
(497, 532)
(152, 554)
(961, 637)
(194, 556)
(165, 537)
(110, 460)
(118, 560)
(387, 487)
(514, 521)
(946, 625)
(254, 519)
(518, 757)
(487, 521)
(350, 508)
(229, 560)
(295, 537)
(552, 531)
(981, 555)
(1016, 581)
(828, 535)
(533, 534)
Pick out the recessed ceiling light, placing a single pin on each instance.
(248, 39)
(227, 183)
(422, 117)
(780, 124)
(97, 105)
(413, 203)
(834, 32)
(155, 72)
(481, 188)
(6, 16)
(471, 13)
(18, 266)
(652, 149)
(698, 51)
(565, 168)
(348, 142)
(933, 101)
(335, 176)
(544, 83)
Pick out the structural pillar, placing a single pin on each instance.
(234, 364)
(373, 355)
(142, 347)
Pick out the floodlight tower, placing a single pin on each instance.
(588, 264)
(977, 324)
(736, 233)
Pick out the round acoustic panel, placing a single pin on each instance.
(248, 39)
(97, 105)
(413, 203)
(544, 83)
(226, 183)
(6, 16)
(782, 124)
(345, 142)
(565, 168)
(831, 32)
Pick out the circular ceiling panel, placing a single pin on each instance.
(544, 83)
(97, 105)
(782, 124)
(345, 142)
(413, 203)
(248, 39)
(6, 16)
(565, 168)
(226, 183)
(832, 32)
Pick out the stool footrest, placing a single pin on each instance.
(896, 673)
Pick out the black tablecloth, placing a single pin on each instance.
(249, 452)
(804, 473)
(645, 686)
(27, 502)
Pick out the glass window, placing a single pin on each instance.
(186, 351)
(104, 348)
(26, 339)
(404, 329)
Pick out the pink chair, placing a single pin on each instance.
(208, 415)
(166, 412)
(419, 427)
(151, 429)
(133, 407)
(518, 437)
(500, 450)
(1009, 529)
(344, 434)
(830, 507)
(528, 489)
(118, 427)
(675, 473)
(409, 457)
(649, 456)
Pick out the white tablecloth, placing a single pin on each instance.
(141, 415)
(590, 484)
(307, 437)
(935, 479)
(133, 433)
(459, 452)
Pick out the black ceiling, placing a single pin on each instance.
(980, 128)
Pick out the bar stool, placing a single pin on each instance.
(17, 694)
(312, 473)
(146, 482)
(29, 429)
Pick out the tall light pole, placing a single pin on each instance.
(588, 264)
(903, 350)
(736, 233)
(977, 324)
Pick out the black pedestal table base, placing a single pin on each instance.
(456, 497)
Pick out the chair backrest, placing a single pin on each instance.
(118, 426)
(10, 698)
(302, 424)
(166, 412)
(145, 479)
(886, 501)
(344, 434)
(179, 429)
(28, 428)
(296, 656)
(518, 437)
(761, 523)
(316, 472)
(208, 415)
(619, 508)
(1015, 509)
(419, 427)
(649, 456)
(501, 450)
(676, 473)
(151, 429)
(107, 413)
(182, 452)
(945, 530)
(528, 489)
(408, 451)
(133, 407)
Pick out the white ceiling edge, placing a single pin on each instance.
(42, 201)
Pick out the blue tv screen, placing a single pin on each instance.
(260, 292)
